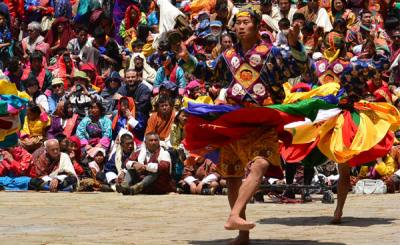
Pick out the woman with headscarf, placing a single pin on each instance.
(118, 14)
(96, 80)
(65, 69)
(112, 84)
(59, 35)
(139, 63)
(129, 24)
(75, 154)
(125, 116)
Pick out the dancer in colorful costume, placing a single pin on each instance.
(358, 131)
(246, 133)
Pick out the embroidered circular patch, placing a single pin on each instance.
(338, 68)
(321, 67)
(255, 60)
(259, 89)
(237, 89)
(235, 62)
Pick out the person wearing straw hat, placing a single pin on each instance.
(81, 95)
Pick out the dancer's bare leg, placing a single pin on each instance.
(233, 185)
(246, 191)
(342, 190)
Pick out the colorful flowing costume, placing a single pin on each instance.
(356, 132)
(245, 130)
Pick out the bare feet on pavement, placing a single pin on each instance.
(237, 223)
(337, 218)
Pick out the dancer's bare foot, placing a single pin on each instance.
(241, 239)
(337, 218)
(237, 223)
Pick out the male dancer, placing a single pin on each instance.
(255, 72)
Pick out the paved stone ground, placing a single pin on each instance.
(108, 218)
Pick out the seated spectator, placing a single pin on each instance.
(63, 142)
(106, 50)
(360, 32)
(34, 39)
(177, 129)
(284, 9)
(130, 23)
(57, 94)
(161, 121)
(75, 154)
(96, 180)
(63, 122)
(170, 71)
(38, 71)
(116, 164)
(65, 69)
(112, 84)
(82, 94)
(138, 62)
(148, 170)
(97, 165)
(33, 132)
(14, 72)
(141, 94)
(55, 168)
(59, 35)
(95, 130)
(33, 93)
(200, 177)
(76, 45)
(167, 89)
(194, 90)
(16, 169)
(310, 37)
(96, 80)
(281, 37)
(225, 42)
(125, 116)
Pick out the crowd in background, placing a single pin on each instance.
(107, 83)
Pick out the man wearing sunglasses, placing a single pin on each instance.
(57, 87)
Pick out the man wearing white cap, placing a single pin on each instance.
(57, 87)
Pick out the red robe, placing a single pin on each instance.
(164, 182)
(20, 166)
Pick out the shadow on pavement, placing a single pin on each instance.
(267, 242)
(324, 220)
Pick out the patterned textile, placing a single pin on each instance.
(235, 156)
